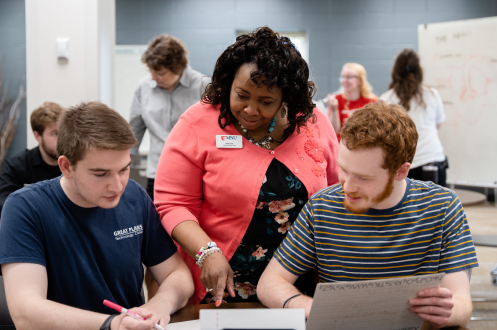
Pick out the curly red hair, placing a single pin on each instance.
(382, 125)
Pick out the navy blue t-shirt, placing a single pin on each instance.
(90, 254)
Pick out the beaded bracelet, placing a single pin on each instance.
(206, 254)
(203, 249)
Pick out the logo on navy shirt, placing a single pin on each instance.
(128, 232)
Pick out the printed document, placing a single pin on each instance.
(376, 304)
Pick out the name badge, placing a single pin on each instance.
(229, 141)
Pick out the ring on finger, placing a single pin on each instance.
(208, 290)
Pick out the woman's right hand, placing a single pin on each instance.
(217, 275)
(332, 101)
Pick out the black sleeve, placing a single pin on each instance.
(11, 178)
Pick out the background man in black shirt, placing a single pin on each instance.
(37, 164)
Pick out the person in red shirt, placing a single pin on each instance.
(357, 92)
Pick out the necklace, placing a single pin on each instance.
(265, 141)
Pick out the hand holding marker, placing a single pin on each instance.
(127, 312)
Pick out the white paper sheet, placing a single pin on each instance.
(377, 304)
(187, 325)
(218, 319)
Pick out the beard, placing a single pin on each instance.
(50, 152)
(377, 199)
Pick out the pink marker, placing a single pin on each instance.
(123, 310)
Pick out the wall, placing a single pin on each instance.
(106, 42)
(88, 74)
(370, 32)
(13, 55)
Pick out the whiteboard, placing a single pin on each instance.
(459, 59)
(128, 71)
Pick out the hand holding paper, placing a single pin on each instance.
(434, 305)
(375, 304)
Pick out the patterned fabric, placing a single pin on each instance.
(219, 187)
(280, 201)
(426, 233)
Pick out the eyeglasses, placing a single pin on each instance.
(343, 78)
(155, 74)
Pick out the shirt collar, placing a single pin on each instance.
(185, 79)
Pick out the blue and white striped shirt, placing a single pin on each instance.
(426, 232)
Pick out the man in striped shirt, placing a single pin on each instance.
(376, 223)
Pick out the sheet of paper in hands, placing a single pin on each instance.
(376, 304)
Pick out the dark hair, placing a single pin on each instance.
(91, 126)
(407, 77)
(278, 63)
(382, 125)
(46, 114)
(166, 51)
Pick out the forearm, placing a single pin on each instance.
(173, 293)
(190, 237)
(39, 313)
(335, 118)
(274, 290)
(139, 132)
(137, 126)
(461, 312)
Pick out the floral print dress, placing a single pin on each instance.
(281, 198)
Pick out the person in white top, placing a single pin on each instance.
(425, 107)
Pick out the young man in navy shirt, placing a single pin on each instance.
(68, 243)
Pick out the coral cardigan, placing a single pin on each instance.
(218, 188)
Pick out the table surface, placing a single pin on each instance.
(469, 198)
(191, 312)
(485, 240)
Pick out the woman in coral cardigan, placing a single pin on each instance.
(239, 166)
